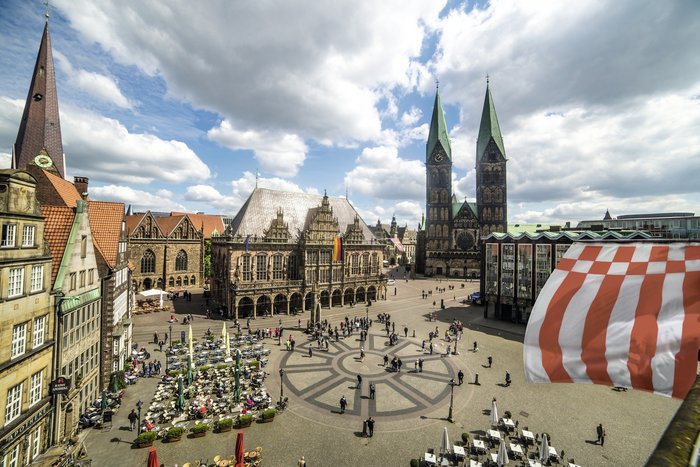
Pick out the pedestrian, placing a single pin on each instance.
(160, 345)
(420, 365)
(490, 360)
(372, 390)
(405, 331)
(507, 378)
(359, 381)
(133, 416)
(422, 345)
(415, 366)
(343, 404)
(602, 439)
(362, 354)
(460, 377)
(386, 360)
(302, 462)
(370, 426)
(476, 347)
(311, 352)
(398, 364)
(431, 348)
(599, 432)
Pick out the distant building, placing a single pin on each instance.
(449, 243)
(675, 225)
(400, 242)
(517, 265)
(288, 252)
(26, 323)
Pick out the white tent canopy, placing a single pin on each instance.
(151, 294)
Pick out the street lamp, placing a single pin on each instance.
(281, 384)
(170, 326)
(452, 390)
(138, 405)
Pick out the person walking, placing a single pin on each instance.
(460, 377)
(386, 360)
(370, 426)
(302, 462)
(476, 347)
(599, 432)
(372, 391)
(343, 404)
(311, 352)
(431, 348)
(490, 360)
(359, 381)
(133, 416)
(420, 365)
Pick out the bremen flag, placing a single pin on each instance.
(338, 249)
(621, 315)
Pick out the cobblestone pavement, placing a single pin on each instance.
(410, 408)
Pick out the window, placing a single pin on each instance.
(365, 264)
(73, 280)
(35, 388)
(293, 267)
(82, 279)
(8, 235)
(181, 261)
(16, 283)
(261, 267)
(246, 268)
(39, 331)
(83, 246)
(148, 262)
(19, 339)
(91, 277)
(14, 403)
(13, 457)
(36, 443)
(37, 278)
(28, 235)
(355, 264)
(277, 271)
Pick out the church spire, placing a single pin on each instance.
(438, 130)
(489, 128)
(39, 136)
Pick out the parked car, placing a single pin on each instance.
(391, 282)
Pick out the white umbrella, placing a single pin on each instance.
(544, 448)
(445, 447)
(502, 457)
(223, 329)
(191, 346)
(228, 345)
(494, 413)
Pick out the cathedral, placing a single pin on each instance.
(449, 236)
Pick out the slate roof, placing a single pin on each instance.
(438, 130)
(106, 225)
(261, 207)
(58, 224)
(489, 128)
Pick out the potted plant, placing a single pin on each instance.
(224, 424)
(174, 434)
(253, 364)
(199, 430)
(507, 414)
(221, 366)
(268, 415)
(145, 439)
(245, 420)
(465, 438)
(415, 463)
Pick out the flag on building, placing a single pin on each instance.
(338, 249)
(621, 315)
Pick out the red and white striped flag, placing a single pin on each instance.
(620, 315)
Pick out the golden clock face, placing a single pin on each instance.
(42, 160)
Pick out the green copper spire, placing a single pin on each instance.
(489, 127)
(438, 130)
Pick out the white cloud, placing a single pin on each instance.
(411, 117)
(138, 199)
(381, 173)
(242, 188)
(10, 117)
(281, 154)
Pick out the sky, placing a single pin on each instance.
(170, 107)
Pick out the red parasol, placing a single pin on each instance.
(153, 458)
(239, 450)
(202, 409)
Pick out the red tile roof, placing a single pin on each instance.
(211, 224)
(65, 189)
(58, 223)
(106, 224)
(132, 221)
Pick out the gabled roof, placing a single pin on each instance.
(489, 128)
(438, 130)
(133, 221)
(67, 192)
(106, 225)
(169, 224)
(40, 127)
(573, 235)
(261, 207)
(458, 206)
(213, 225)
(58, 224)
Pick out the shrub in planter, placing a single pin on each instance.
(175, 341)
(415, 463)
(224, 424)
(199, 430)
(204, 368)
(269, 414)
(173, 373)
(221, 366)
(146, 438)
(253, 363)
(174, 433)
(465, 438)
(245, 420)
(507, 414)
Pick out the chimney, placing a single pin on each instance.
(81, 184)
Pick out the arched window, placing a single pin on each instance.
(178, 282)
(181, 261)
(148, 262)
(171, 282)
(193, 280)
(186, 281)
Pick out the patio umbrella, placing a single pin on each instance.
(239, 450)
(223, 330)
(180, 404)
(502, 457)
(228, 347)
(237, 374)
(544, 448)
(445, 442)
(153, 458)
(189, 375)
(494, 413)
(103, 402)
(191, 343)
(114, 383)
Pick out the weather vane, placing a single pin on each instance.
(46, 11)
(487, 78)
(437, 83)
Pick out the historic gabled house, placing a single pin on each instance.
(400, 242)
(167, 252)
(289, 252)
(449, 240)
(26, 323)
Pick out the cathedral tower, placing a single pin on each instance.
(39, 136)
(438, 225)
(491, 194)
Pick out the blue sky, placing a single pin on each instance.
(169, 107)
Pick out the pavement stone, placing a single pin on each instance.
(411, 408)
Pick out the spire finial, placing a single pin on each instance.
(46, 10)
(257, 175)
(437, 84)
(487, 79)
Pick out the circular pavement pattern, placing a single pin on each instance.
(318, 381)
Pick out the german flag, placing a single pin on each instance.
(338, 249)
